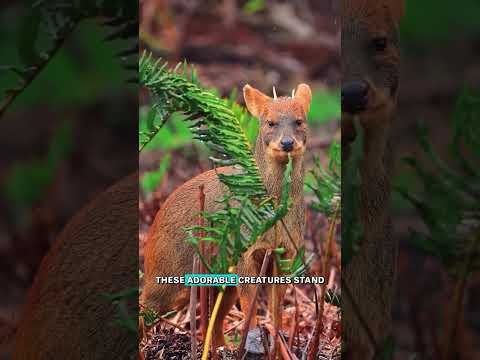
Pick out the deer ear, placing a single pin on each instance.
(255, 100)
(303, 94)
(397, 7)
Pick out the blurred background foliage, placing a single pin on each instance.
(441, 37)
(435, 205)
(432, 22)
(67, 137)
(28, 181)
(83, 72)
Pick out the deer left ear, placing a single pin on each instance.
(397, 8)
(303, 94)
(255, 100)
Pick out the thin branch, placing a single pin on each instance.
(263, 270)
(14, 93)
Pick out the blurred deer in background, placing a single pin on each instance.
(370, 65)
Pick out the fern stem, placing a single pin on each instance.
(208, 338)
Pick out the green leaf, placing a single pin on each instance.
(253, 6)
(325, 106)
(334, 298)
(326, 185)
(28, 182)
(151, 179)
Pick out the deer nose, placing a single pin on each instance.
(354, 96)
(287, 144)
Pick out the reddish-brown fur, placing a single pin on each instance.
(166, 252)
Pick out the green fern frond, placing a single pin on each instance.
(213, 121)
(327, 182)
(448, 204)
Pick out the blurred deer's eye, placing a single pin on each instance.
(299, 122)
(379, 44)
(271, 124)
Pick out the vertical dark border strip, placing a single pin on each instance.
(69, 183)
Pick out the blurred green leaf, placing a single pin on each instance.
(28, 181)
(253, 6)
(447, 199)
(450, 20)
(61, 144)
(326, 183)
(149, 317)
(151, 179)
(325, 106)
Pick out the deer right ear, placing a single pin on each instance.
(304, 95)
(255, 100)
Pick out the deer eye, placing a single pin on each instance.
(299, 122)
(379, 44)
(271, 124)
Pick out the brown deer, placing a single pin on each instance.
(370, 64)
(66, 316)
(283, 131)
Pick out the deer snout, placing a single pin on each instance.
(354, 96)
(287, 143)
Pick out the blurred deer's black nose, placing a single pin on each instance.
(287, 143)
(354, 96)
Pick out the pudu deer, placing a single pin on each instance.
(283, 131)
(370, 66)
